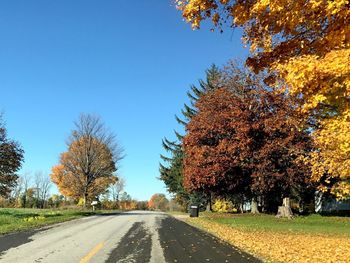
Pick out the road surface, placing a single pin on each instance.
(126, 238)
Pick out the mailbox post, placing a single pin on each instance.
(94, 203)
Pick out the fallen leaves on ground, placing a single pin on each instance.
(279, 246)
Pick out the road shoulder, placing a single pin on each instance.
(182, 242)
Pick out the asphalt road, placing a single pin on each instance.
(126, 238)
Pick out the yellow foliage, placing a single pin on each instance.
(223, 206)
(33, 218)
(282, 247)
(306, 45)
(334, 158)
(70, 174)
(81, 202)
(324, 80)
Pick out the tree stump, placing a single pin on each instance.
(285, 210)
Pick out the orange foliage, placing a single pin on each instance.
(158, 202)
(128, 205)
(76, 177)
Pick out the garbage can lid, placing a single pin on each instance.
(194, 206)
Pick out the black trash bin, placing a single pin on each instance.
(194, 210)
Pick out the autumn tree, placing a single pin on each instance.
(126, 202)
(246, 141)
(215, 147)
(171, 170)
(278, 144)
(158, 202)
(142, 205)
(55, 200)
(11, 158)
(331, 164)
(305, 45)
(200, 136)
(87, 168)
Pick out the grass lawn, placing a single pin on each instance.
(313, 224)
(13, 219)
(311, 238)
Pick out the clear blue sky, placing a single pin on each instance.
(130, 62)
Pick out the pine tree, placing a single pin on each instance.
(171, 170)
(213, 76)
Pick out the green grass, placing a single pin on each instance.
(312, 224)
(13, 219)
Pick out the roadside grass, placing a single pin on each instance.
(313, 224)
(311, 238)
(18, 219)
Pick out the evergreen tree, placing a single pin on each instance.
(213, 77)
(171, 171)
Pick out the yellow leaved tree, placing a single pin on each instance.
(305, 45)
(89, 165)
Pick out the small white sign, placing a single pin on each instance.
(94, 203)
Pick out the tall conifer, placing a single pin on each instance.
(171, 168)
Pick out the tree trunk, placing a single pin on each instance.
(85, 199)
(285, 210)
(24, 199)
(263, 208)
(209, 208)
(254, 206)
(301, 206)
(241, 207)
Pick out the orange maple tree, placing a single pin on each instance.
(71, 177)
(87, 168)
(158, 202)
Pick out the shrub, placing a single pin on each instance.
(223, 206)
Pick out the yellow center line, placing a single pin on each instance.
(92, 253)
